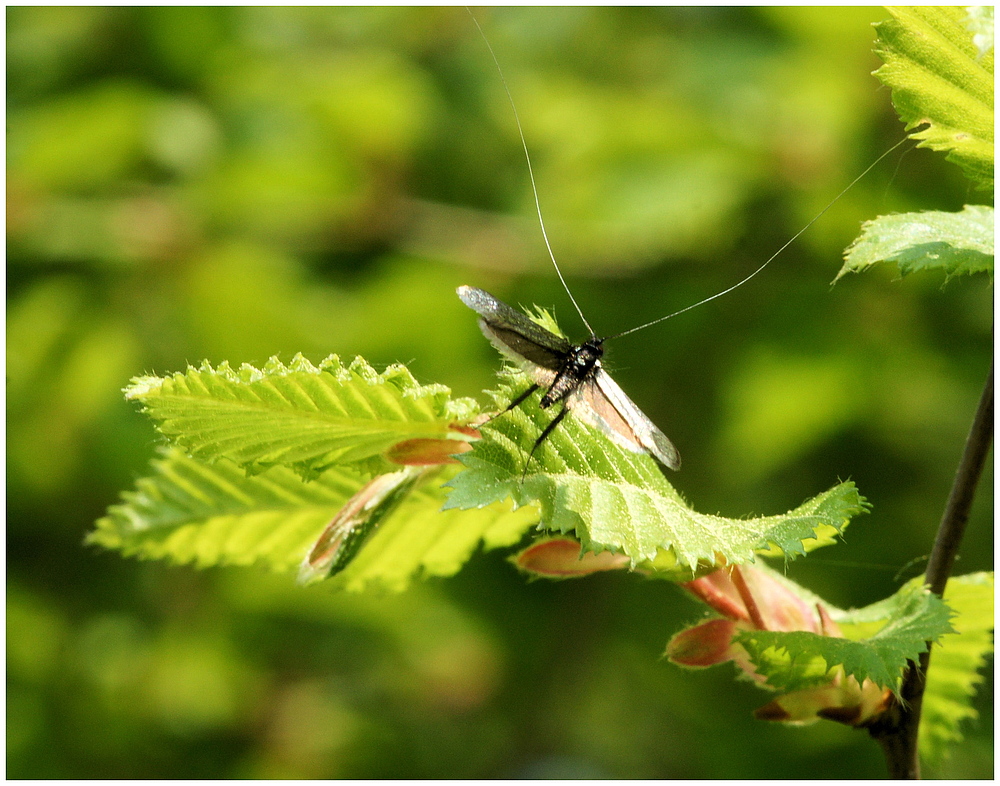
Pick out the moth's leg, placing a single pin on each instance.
(514, 403)
(521, 398)
(541, 438)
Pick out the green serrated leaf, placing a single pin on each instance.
(956, 661)
(190, 512)
(903, 625)
(939, 78)
(613, 499)
(957, 243)
(303, 416)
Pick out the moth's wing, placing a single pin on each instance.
(536, 350)
(537, 362)
(602, 403)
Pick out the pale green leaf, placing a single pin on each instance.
(956, 661)
(903, 625)
(190, 512)
(941, 80)
(214, 514)
(617, 500)
(957, 243)
(300, 415)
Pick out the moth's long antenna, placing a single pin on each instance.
(773, 256)
(531, 173)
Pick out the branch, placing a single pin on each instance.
(896, 730)
(956, 512)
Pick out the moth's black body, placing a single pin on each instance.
(571, 374)
(580, 363)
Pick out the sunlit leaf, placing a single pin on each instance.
(300, 415)
(940, 80)
(956, 663)
(957, 243)
(190, 512)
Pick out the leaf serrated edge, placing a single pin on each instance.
(396, 375)
(757, 645)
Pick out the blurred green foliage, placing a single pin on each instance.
(233, 183)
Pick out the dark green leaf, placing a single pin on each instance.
(614, 499)
(903, 624)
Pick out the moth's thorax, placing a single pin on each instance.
(580, 363)
(588, 353)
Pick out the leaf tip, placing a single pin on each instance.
(140, 387)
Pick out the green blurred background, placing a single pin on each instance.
(231, 184)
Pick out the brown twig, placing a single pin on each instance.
(896, 730)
